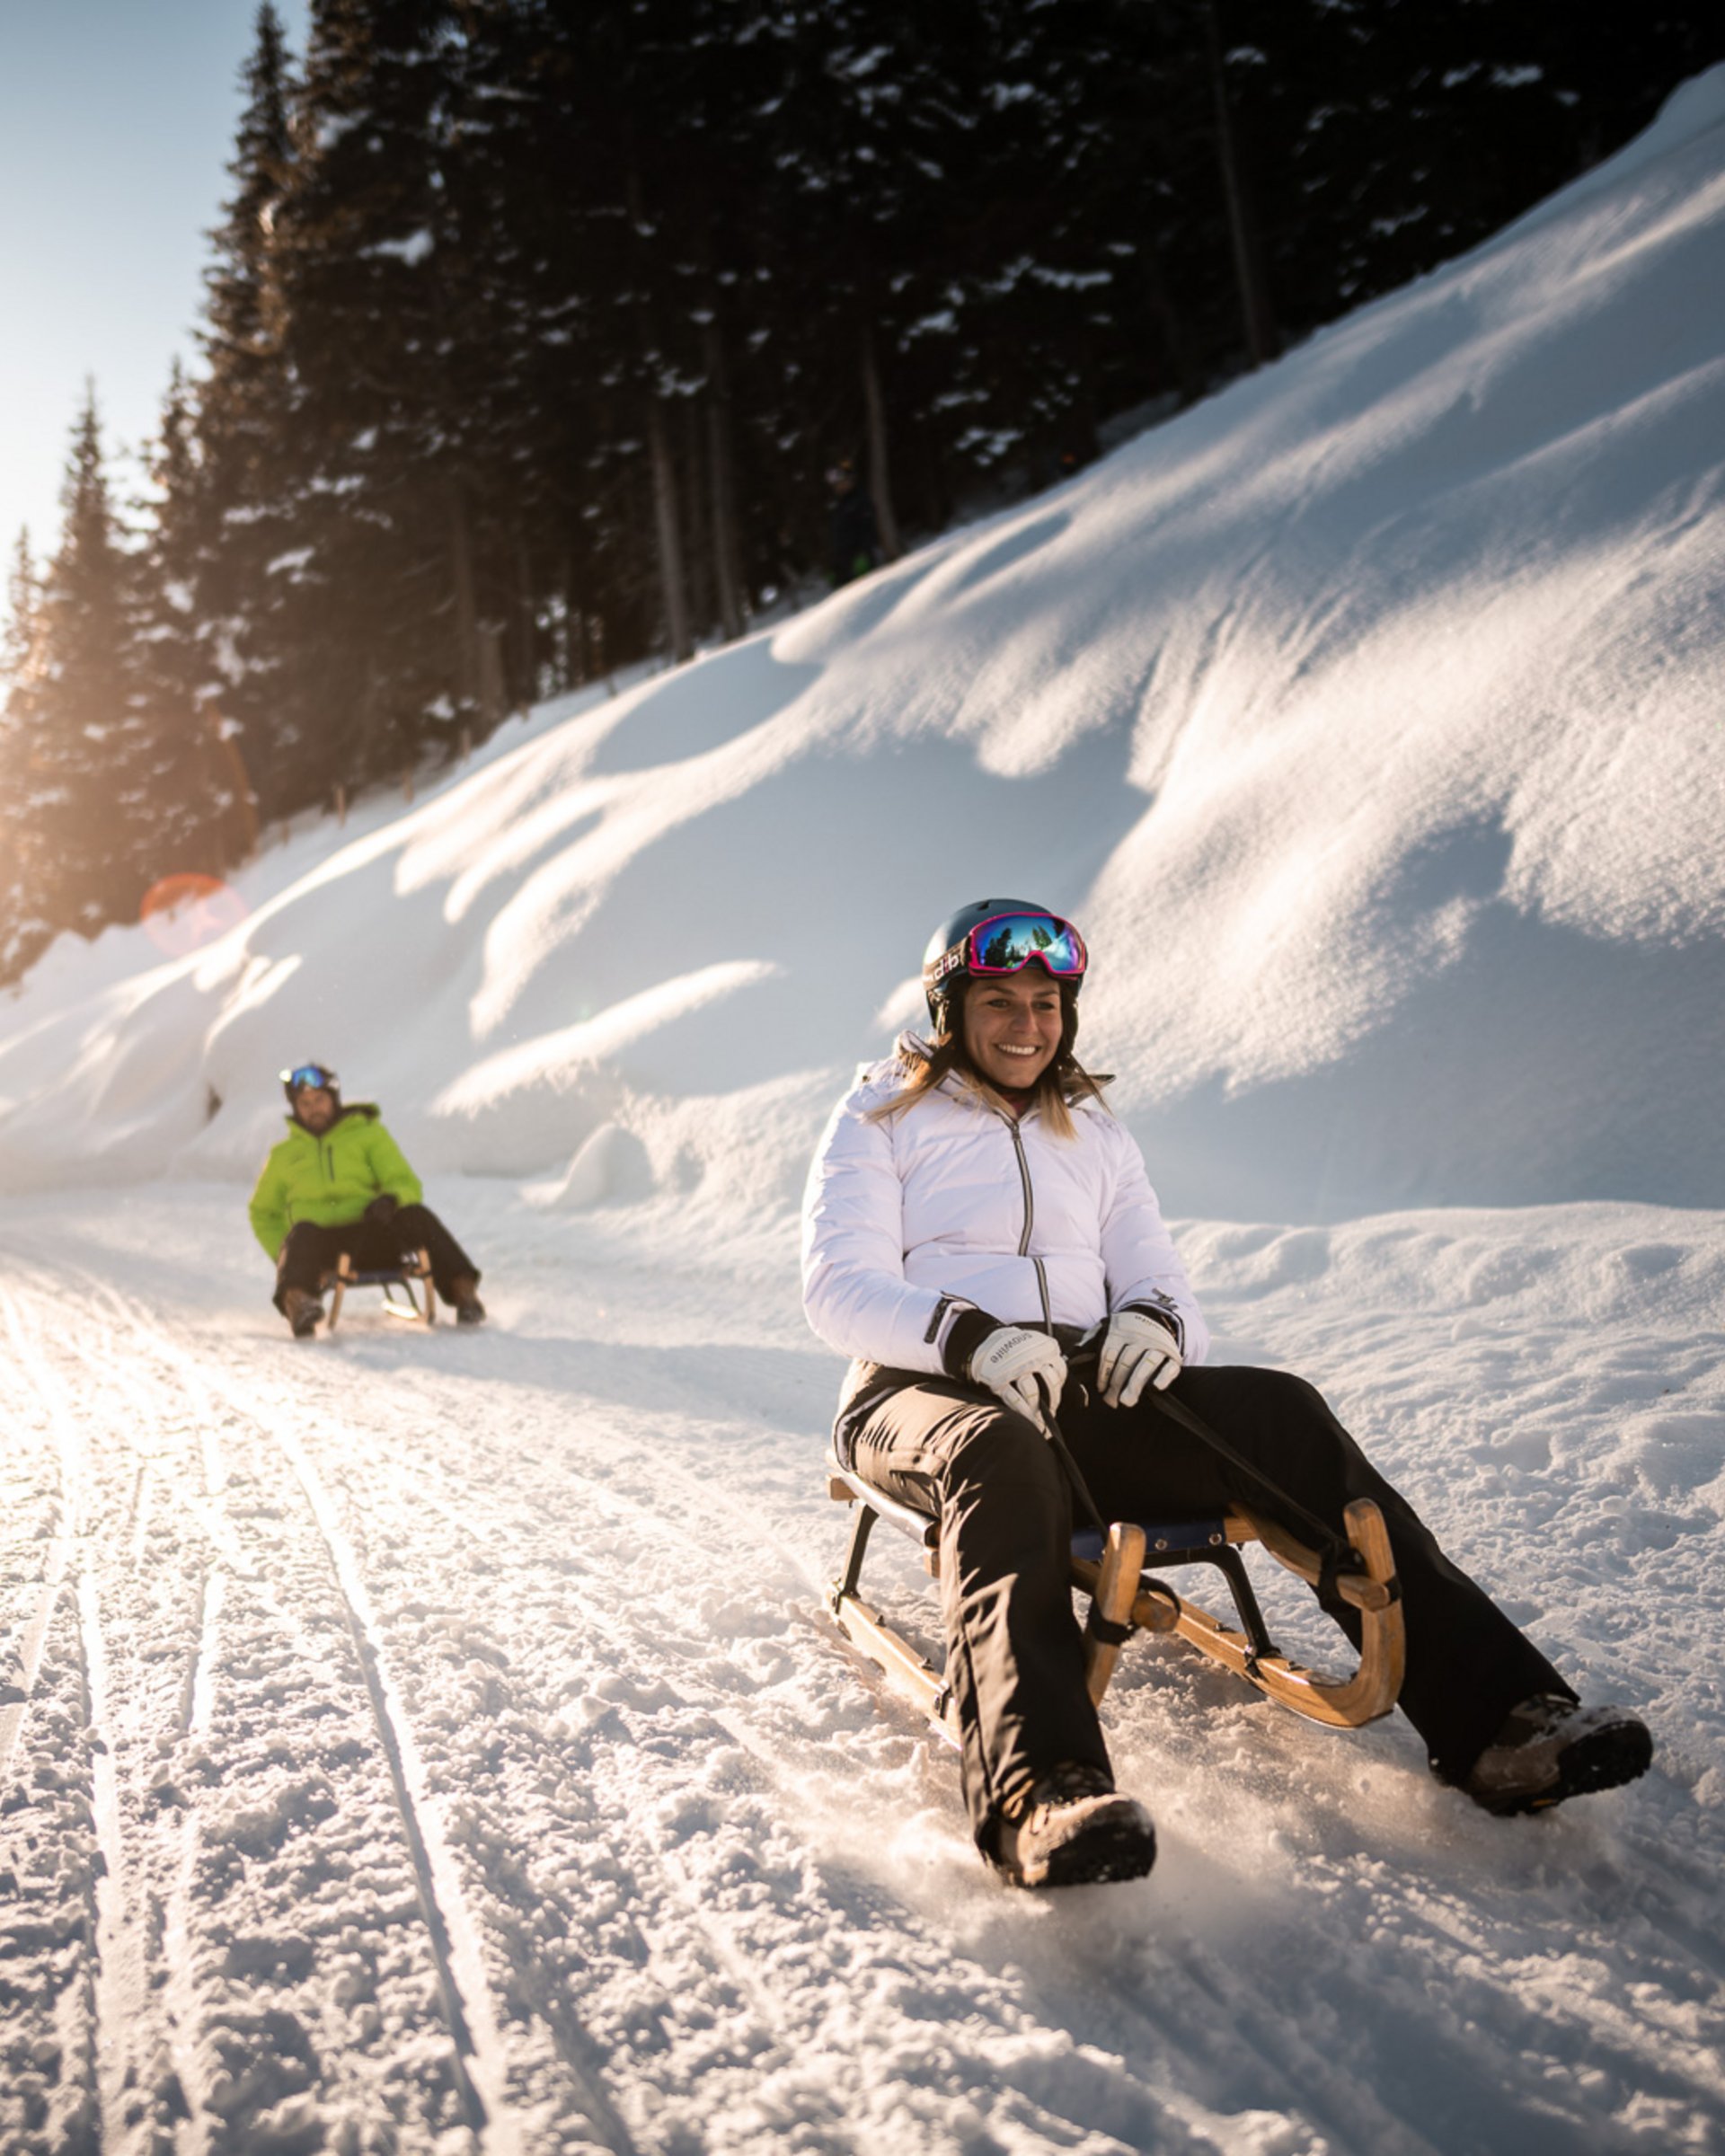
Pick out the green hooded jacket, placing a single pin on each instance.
(331, 1179)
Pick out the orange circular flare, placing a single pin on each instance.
(183, 912)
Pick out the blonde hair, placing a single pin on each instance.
(1063, 1083)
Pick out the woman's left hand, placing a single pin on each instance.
(1137, 1350)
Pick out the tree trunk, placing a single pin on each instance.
(242, 823)
(664, 526)
(572, 651)
(523, 665)
(727, 552)
(666, 530)
(493, 695)
(1254, 298)
(1176, 345)
(703, 576)
(461, 579)
(879, 481)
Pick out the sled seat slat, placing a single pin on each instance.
(1161, 1538)
(1169, 1538)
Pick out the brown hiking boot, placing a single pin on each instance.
(302, 1312)
(1550, 1749)
(464, 1292)
(1076, 1830)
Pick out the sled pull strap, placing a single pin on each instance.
(1337, 1557)
(1083, 1502)
(1109, 1625)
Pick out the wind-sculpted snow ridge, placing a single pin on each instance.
(434, 1742)
(1366, 716)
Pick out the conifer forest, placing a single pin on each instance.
(539, 336)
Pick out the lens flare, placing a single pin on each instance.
(182, 912)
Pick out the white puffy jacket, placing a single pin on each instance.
(954, 1202)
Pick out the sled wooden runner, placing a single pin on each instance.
(417, 1309)
(1118, 1573)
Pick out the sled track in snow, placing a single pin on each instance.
(116, 1982)
(668, 1914)
(479, 2064)
(135, 1961)
(623, 1772)
(23, 1660)
(476, 2052)
(543, 1988)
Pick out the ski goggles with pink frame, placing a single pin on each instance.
(1009, 942)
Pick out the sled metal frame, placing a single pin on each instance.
(420, 1309)
(1118, 1574)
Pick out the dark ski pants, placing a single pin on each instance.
(308, 1256)
(1015, 1651)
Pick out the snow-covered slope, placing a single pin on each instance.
(1367, 717)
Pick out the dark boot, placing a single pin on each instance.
(464, 1292)
(302, 1312)
(1076, 1830)
(1551, 1748)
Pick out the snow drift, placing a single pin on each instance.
(1366, 717)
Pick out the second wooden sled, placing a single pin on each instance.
(1118, 1574)
(421, 1308)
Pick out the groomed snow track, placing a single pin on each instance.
(433, 1743)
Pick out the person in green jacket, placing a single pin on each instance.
(339, 1182)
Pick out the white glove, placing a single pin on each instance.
(1137, 1350)
(1025, 1369)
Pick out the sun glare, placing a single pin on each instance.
(183, 912)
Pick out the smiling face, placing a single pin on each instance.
(1012, 1026)
(314, 1107)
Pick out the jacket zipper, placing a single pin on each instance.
(1030, 1220)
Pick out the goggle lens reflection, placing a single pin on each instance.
(1010, 942)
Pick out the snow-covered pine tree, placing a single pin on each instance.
(78, 720)
(202, 814)
(535, 332)
(23, 927)
(385, 608)
(23, 596)
(235, 542)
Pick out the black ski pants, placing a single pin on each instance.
(308, 1257)
(1014, 1650)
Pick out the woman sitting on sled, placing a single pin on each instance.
(974, 1209)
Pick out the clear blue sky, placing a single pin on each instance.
(117, 122)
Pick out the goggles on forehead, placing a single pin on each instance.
(1009, 942)
(308, 1074)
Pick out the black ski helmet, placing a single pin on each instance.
(946, 962)
(302, 1075)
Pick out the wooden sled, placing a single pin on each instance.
(421, 1308)
(1117, 1573)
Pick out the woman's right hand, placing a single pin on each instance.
(1023, 1369)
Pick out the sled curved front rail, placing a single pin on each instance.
(1375, 1685)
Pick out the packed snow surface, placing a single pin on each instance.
(434, 1739)
(430, 1742)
